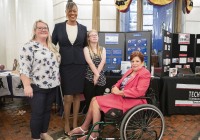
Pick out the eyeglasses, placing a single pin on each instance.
(93, 35)
(42, 28)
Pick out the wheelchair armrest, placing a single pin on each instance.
(150, 97)
(141, 97)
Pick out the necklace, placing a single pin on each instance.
(94, 51)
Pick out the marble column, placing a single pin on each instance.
(117, 20)
(139, 15)
(10, 34)
(2, 33)
(178, 19)
(96, 15)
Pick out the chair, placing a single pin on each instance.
(142, 122)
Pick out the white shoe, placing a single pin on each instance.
(46, 137)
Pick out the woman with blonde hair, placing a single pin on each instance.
(39, 71)
(95, 79)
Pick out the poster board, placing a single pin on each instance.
(139, 41)
(182, 53)
(180, 50)
(197, 50)
(166, 53)
(114, 43)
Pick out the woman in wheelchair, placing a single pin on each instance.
(133, 83)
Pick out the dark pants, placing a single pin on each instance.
(91, 91)
(41, 104)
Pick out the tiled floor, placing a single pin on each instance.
(14, 124)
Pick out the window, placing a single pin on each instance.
(147, 16)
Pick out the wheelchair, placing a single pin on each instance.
(142, 122)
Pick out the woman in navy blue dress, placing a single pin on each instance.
(71, 38)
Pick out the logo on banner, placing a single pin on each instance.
(122, 5)
(194, 95)
(189, 5)
(160, 2)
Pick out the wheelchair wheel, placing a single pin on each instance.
(143, 122)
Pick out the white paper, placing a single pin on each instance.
(165, 46)
(125, 65)
(183, 48)
(165, 39)
(172, 72)
(168, 48)
(111, 38)
(175, 60)
(182, 60)
(198, 41)
(197, 59)
(190, 59)
(178, 66)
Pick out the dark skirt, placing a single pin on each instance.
(72, 78)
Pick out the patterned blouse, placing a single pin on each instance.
(89, 73)
(123, 84)
(39, 64)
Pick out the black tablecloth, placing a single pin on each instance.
(178, 93)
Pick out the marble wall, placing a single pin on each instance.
(191, 21)
(19, 15)
(107, 13)
(16, 27)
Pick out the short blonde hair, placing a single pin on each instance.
(48, 40)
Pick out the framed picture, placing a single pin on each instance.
(172, 72)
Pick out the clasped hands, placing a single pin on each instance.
(96, 78)
(115, 90)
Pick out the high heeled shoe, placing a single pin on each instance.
(83, 132)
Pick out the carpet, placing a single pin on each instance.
(197, 137)
(107, 132)
(60, 136)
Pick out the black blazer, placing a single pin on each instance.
(70, 54)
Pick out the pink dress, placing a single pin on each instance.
(136, 86)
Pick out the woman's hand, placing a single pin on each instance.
(116, 91)
(96, 77)
(28, 91)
